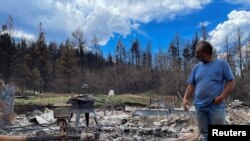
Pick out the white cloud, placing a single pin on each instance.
(21, 34)
(205, 23)
(102, 18)
(236, 19)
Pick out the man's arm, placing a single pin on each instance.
(188, 93)
(229, 87)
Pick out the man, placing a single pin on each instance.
(211, 81)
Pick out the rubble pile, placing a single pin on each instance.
(238, 113)
(117, 125)
(147, 127)
(121, 125)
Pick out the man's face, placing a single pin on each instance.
(200, 54)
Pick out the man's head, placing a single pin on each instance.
(204, 51)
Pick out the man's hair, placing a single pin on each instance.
(206, 46)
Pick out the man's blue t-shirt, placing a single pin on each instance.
(209, 80)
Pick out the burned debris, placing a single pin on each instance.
(7, 95)
(79, 120)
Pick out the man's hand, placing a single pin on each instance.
(227, 90)
(218, 99)
(189, 91)
(185, 104)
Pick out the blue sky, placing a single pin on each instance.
(156, 21)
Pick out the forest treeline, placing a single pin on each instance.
(64, 67)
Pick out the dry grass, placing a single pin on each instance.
(51, 99)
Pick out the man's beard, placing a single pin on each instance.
(202, 60)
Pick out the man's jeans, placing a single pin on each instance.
(210, 115)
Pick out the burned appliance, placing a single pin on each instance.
(62, 113)
(82, 104)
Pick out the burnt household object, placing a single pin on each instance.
(7, 98)
(85, 88)
(62, 113)
(82, 104)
